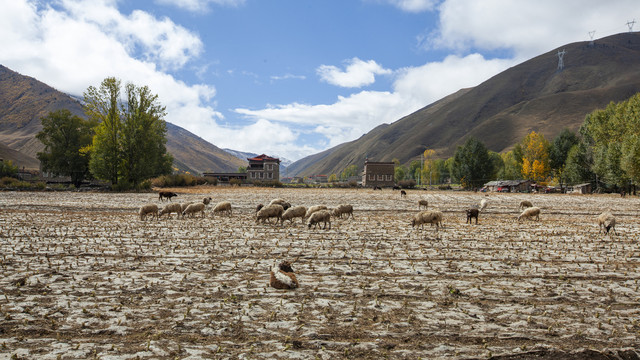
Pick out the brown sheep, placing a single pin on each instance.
(282, 276)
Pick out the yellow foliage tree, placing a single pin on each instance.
(429, 165)
(535, 157)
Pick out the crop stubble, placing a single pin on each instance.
(83, 277)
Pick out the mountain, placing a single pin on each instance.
(24, 100)
(531, 96)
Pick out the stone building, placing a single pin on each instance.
(378, 174)
(263, 168)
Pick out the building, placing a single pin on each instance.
(263, 168)
(226, 177)
(508, 185)
(581, 189)
(378, 174)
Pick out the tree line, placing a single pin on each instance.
(121, 140)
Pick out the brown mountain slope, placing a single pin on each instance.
(24, 100)
(533, 95)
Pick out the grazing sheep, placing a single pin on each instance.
(483, 204)
(183, 206)
(525, 204)
(343, 209)
(285, 205)
(270, 211)
(222, 207)
(606, 221)
(171, 208)
(472, 213)
(282, 276)
(294, 212)
(319, 216)
(313, 209)
(151, 209)
(421, 203)
(193, 209)
(403, 193)
(427, 217)
(258, 207)
(530, 212)
(166, 194)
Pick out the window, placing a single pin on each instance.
(389, 178)
(380, 177)
(372, 177)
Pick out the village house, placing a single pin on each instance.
(263, 168)
(508, 185)
(378, 174)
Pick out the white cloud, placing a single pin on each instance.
(200, 5)
(413, 5)
(357, 74)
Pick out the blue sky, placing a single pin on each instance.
(291, 77)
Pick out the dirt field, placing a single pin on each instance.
(83, 278)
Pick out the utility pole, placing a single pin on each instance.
(560, 59)
(591, 35)
(630, 24)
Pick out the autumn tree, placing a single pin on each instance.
(535, 157)
(65, 137)
(351, 170)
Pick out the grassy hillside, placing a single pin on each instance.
(533, 95)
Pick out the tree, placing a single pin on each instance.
(64, 136)
(559, 152)
(130, 137)
(535, 157)
(428, 168)
(511, 169)
(578, 165)
(472, 165)
(351, 170)
(7, 168)
(400, 173)
(242, 169)
(333, 178)
(414, 170)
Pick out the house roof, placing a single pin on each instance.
(263, 157)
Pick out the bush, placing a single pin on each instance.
(407, 184)
(270, 183)
(235, 182)
(353, 184)
(175, 180)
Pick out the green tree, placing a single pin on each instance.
(333, 178)
(8, 169)
(400, 173)
(472, 165)
(65, 136)
(414, 170)
(559, 152)
(578, 165)
(510, 169)
(130, 137)
(351, 170)
(101, 106)
(242, 169)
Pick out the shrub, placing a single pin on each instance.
(270, 183)
(235, 182)
(407, 184)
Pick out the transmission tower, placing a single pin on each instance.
(560, 60)
(630, 24)
(591, 35)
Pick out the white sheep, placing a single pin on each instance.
(285, 205)
(171, 208)
(313, 209)
(319, 216)
(421, 203)
(149, 209)
(193, 209)
(270, 211)
(483, 204)
(530, 212)
(606, 221)
(427, 217)
(183, 206)
(525, 204)
(294, 212)
(222, 207)
(343, 209)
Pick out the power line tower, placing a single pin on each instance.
(591, 35)
(560, 59)
(630, 24)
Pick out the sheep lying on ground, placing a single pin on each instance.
(343, 209)
(472, 213)
(421, 203)
(294, 212)
(525, 204)
(282, 276)
(171, 208)
(319, 216)
(285, 205)
(166, 194)
(530, 212)
(606, 221)
(313, 209)
(270, 211)
(427, 217)
(193, 209)
(149, 209)
(483, 204)
(222, 207)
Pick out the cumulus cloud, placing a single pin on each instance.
(357, 74)
(200, 5)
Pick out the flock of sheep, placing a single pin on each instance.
(282, 210)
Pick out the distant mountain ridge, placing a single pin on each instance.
(531, 96)
(24, 100)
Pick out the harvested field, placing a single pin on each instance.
(83, 277)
